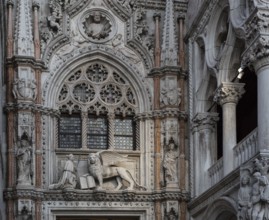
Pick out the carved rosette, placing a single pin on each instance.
(97, 25)
(205, 120)
(229, 93)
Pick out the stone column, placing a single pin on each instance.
(84, 129)
(111, 130)
(228, 95)
(204, 125)
(10, 39)
(263, 106)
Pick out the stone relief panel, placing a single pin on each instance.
(170, 94)
(104, 170)
(24, 85)
(25, 124)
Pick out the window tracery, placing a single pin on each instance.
(107, 104)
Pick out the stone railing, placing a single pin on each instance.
(216, 172)
(246, 148)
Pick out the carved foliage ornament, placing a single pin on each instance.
(229, 92)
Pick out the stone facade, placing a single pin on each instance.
(134, 109)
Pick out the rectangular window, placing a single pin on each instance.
(97, 135)
(70, 131)
(124, 134)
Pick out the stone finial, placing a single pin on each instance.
(229, 93)
(169, 45)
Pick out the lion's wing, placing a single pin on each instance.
(111, 158)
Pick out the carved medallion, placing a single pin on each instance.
(97, 26)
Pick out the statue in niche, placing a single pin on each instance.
(97, 26)
(24, 161)
(24, 88)
(108, 164)
(118, 45)
(244, 199)
(170, 162)
(69, 176)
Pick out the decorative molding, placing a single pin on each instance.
(229, 93)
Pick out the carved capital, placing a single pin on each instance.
(157, 16)
(229, 93)
(10, 3)
(205, 120)
(36, 5)
(257, 36)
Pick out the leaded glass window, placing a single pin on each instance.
(70, 131)
(97, 136)
(124, 133)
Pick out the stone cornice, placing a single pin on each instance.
(32, 107)
(229, 93)
(174, 113)
(26, 60)
(168, 70)
(96, 195)
(205, 120)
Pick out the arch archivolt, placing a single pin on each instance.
(222, 205)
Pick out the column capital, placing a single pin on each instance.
(229, 93)
(157, 16)
(36, 5)
(257, 37)
(205, 120)
(10, 3)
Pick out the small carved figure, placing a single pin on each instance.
(119, 46)
(244, 199)
(24, 161)
(105, 164)
(170, 162)
(69, 176)
(98, 26)
(127, 4)
(56, 15)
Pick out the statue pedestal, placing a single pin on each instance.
(172, 185)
